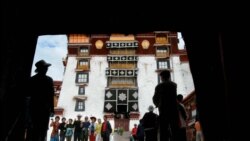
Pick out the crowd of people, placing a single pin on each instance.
(78, 130)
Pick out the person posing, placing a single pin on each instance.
(78, 128)
(106, 129)
(85, 129)
(98, 130)
(92, 129)
(69, 130)
(55, 125)
(62, 128)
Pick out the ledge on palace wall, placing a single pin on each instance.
(80, 97)
(110, 116)
(58, 110)
(134, 115)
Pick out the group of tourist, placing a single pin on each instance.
(79, 130)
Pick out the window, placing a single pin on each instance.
(83, 64)
(122, 81)
(84, 51)
(78, 38)
(81, 78)
(81, 91)
(162, 52)
(163, 64)
(80, 105)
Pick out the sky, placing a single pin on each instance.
(52, 49)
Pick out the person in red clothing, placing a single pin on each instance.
(106, 129)
(134, 131)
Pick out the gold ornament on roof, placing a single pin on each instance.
(145, 44)
(99, 44)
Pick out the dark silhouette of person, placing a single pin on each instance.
(150, 124)
(182, 118)
(41, 92)
(140, 135)
(165, 99)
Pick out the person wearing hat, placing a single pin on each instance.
(92, 128)
(41, 93)
(150, 124)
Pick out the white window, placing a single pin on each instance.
(163, 64)
(82, 78)
(84, 50)
(83, 63)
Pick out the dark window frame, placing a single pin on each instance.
(77, 106)
(81, 92)
(77, 77)
(163, 60)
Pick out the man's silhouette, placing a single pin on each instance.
(41, 92)
(150, 124)
(165, 99)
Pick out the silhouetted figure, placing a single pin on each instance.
(150, 124)
(140, 136)
(41, 91)
(182, 118)
(165, 99)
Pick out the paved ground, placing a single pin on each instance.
(116, 137)
(113, 137)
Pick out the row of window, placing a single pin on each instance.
(160, 51)
(82, 77)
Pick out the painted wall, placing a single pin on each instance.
(147, 80)
(182, 76)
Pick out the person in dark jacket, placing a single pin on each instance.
(106, 129)
(140, 131)
(62, 128)
(150, 124)
(165, 99)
